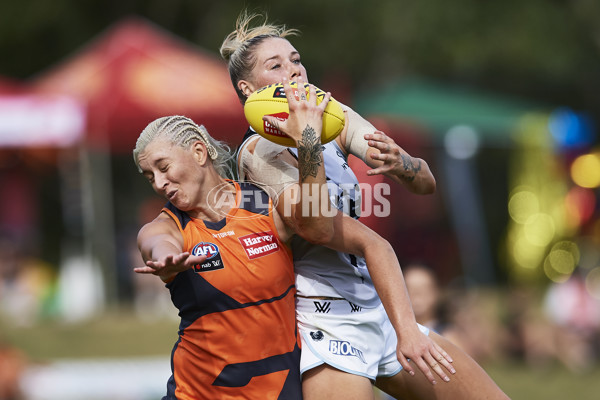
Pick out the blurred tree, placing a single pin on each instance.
(545, 50)
(549, 50)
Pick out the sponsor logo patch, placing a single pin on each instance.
(259, 244)
(343, 348)
(270, 129)
(213, 257)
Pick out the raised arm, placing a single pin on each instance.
(304, 204)
(385, 156)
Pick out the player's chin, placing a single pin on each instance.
(181, 204)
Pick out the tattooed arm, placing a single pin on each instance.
(380, 152)
(386, 157)
(305, 206)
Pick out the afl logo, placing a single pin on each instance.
(213, 257)
(209, 250)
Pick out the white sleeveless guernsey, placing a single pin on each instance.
(319, 270)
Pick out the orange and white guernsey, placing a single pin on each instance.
(237, 336)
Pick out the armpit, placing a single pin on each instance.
(270, 166)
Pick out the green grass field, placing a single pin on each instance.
(121, 335)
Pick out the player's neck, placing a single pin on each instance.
(217, 200)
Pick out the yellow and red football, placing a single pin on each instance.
(270, 100)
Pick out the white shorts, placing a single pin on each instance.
(347, 337)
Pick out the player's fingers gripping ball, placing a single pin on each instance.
(271, 101)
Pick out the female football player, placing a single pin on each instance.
(222, 250)
(351, 315)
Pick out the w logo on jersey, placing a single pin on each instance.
(322, 307)
(354, 308)
(213, 257)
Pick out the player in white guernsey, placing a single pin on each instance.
(321, 271)
(349, 341)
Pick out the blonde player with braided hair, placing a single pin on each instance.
(222, 250)
(182, 131)
(349, 339)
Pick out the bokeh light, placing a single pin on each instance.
(526, 254)
(558, 266)
(570, 247)
(561, 261)
(522, 205)
(539, 229)
(461, 142)
(570, 129)
(592, 282)
(580, 204)
(585, 170)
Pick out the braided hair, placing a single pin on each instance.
(182, 131)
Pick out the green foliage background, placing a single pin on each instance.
(542, 50)
(546, 50)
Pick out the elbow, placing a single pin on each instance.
(421, 181)
(429, 186)
(378, 249)
(425, 185)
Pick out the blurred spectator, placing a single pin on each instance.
(426, 298)
(424, 293)
(575, 314)
(530, 337)
(463, 317)
(475, 324)
(12, 366)
(26, 284)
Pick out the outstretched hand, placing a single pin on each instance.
(170, 265)
(419, 348)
